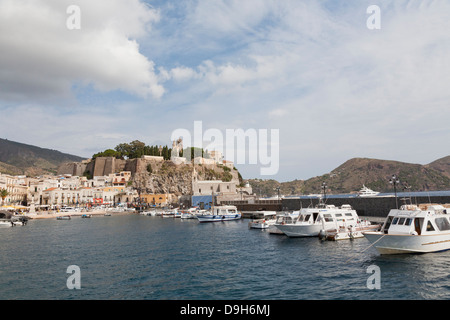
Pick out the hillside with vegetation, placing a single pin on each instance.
(373, 173)
(23, 159)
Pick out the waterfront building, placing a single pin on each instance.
(159, 200)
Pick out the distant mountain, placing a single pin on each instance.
(373, 173)
(442, 165)
(18, 158)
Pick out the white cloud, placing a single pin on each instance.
(42, 58)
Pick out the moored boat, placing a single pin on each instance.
(413, 229)
(311, 221)
(348, 232)
(63, 218)
(268, 218)
(220, 213)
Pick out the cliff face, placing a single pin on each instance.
(151, 176)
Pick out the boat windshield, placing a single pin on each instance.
(442, 224)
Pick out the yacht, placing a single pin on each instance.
(220, 213)
(413, 229)
(311, 221)
(366, 192)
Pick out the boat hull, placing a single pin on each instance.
(300, 230)
(218, 218)
(399, 244)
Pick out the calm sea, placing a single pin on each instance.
(133, 257)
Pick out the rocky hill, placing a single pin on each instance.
(374, 173)
(18, 158)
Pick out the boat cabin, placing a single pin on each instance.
(222, 210)
(414, 220)
(329, 214)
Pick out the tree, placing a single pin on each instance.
(3, 194)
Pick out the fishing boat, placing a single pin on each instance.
(268, 218)
(413, 229)
(352, 231)
(220, 213)
(311, 221)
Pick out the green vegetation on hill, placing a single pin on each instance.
(373, 173)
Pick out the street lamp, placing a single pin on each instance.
(394, 181)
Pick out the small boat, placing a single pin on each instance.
(268, 218)
(6, 223)
(283, 218)
(220, 213)
(348, 232)
(168, 214)
(366, 192)
(150, 213)
(86, 215)
(107, 214)
(190, 213)
(63, 218)
(413, 229)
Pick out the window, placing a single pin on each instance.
(442, 223)
(395, 221)
(328, 217)
(348, 214)
(430, 226)
(401, 221)
(408, 222)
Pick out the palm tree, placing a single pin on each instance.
(3, 194)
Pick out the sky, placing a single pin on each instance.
(312, 73)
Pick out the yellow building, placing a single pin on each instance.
(155, 199)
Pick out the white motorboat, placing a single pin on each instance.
(6, 223)
(63, 218)
(268, 218)
(220, 213)
(413, 229)
(366, 192)
(150, 213)
(311, 221)
(190, 213)
(351, 231)
(283, 218)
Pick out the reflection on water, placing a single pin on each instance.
(137, 257)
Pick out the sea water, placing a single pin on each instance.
(134, 257)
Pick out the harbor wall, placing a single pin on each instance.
(369, 207)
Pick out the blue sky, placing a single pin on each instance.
(311, 69)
